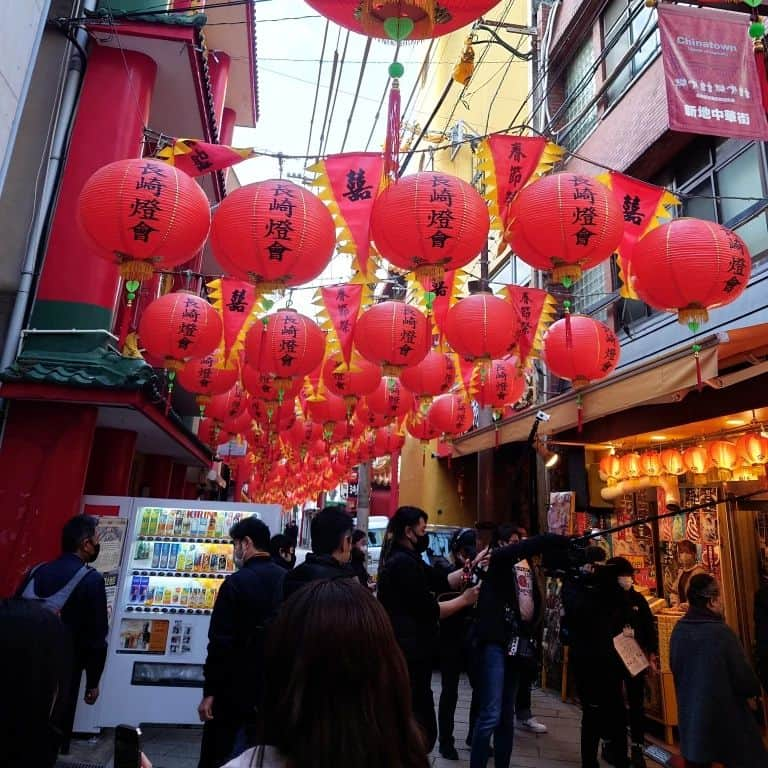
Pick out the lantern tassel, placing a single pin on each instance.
(568, 331)
(579, 414)
(423, 456)
(392, 143)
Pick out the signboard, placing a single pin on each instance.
(143, 636)
(711, 73)
(111, 532)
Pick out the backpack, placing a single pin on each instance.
(57, 600)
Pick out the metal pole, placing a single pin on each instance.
(363, 495)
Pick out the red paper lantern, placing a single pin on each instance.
(429, 18)
(610, 468)
(501, 383)
(394, 335)
(292, 345)
(696, 459)
(387, 441)
(391, 399)
(239, 425)
(265, 387)
(203, 377)
(481, 326)
(672, 461)
(690, 266)
(420, 427)
(229, 405)
(178, 327)
(630, 465)
(650, 463)
(433, 376)
(351, 382)
(144, 213)
(368, 418)
(273, 416)
(564, 222)
(430, 222)
(274, 233)
(327, 409)
(753, 448)
(208, 431)
(451, 414)
(591, 353)
(723, 454)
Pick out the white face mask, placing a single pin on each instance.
(625, 582)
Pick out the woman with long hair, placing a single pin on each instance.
(408, 589)
(335, 686)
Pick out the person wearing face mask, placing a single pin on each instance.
(69, 587)
(359, 557)
(717, 690)
(407, 588)
(635, 619)
(246, 602)
(689, 567)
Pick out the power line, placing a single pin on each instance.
(317, 87)
(357, 92)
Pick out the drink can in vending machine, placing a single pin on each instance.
(164, 553)
(134, 594)
(143, 589)
(156, 552)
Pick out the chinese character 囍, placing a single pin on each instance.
(237, 301)
(357, 189)
(631, 210)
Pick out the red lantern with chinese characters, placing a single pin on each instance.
(351, 382)
(753, 448)
(411, 19)
(368, 418)
(208, 431)
(178, 327)
(433, 376)
(393, 334)
(273, 233)
(430, 222)
(265, 387)
(203, 377)
(590, 353)
(272, 416)
(610, 468)
(391, 399)
(696, 459)
(723, 454)
(292, 345)
(420, 427)
(690, 266)
(387, 441)
(143, 213)
(566, 223)
(650, 463)
(239, 425)
(630, 465)
(451, 414)
(481, 326)
(327, 410)
(500, 384)
(229, 405)
(672, 461)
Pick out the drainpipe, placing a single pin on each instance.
(70, 91)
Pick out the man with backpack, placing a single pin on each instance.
(74, 591)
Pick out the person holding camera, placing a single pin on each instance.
(506, 615)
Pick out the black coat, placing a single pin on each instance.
(84, 614)
(407, 588)
(314, 568)
(636, 613)
(247, 601)
(713, 681)
(498, 592)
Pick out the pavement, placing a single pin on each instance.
(179, 747)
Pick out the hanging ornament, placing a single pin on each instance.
(351, 382)
(205, 377)
(451, 414)
(433, 376)
(481, 326)
(672, 461)
(724, 456)
(228, 406)
(753, 448)
(630, 465)
(696, 459)
(610, 469)
(500, 384)
(650, 463)
(390, 399)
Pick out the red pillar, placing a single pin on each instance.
(109, 471)
(227, 126)
(157, 476)
(78, 286)
(218, 66)
(44, 459)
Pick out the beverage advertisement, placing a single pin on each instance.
(143, 636)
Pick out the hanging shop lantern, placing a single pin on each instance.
(433, 376)
(229, 405)
(753, 448)
(368, 418)
(610, 468)
(590, 351)
(402, 19)
(566, 223)
(430, 222)
(327, 410)
(629, 465)
(208, 431)
(481, 326)
(419, 426)
(204, 377)
(351, 382)
(393, 334)
(672, 461)
(696, 459)
(501, 384)
(390, 399)
(451, 414)
(273, 233)
(690, 266)
(144, 214)
(650, 463)
(179, 326)
(724, 455)
(267, 388)
(387, 440)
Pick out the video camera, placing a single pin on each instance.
(571, 561)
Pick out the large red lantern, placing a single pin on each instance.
(326, 410)
(589, 353)
(387, 440)
(481, 326)
(368, 418)
(400, 19)
(433, 376)
(723, 454)
(351, 382)
(203, 377)
(229, 405)
(143, 213)
(391, 399)
(672, 461)
(419, 426)
(208, 431)
(650, 463)
(696, 459)
(689, 266)
(430, 222)
(178, 327)
(451, 414)
(393, 334)
(273, 233)
(566, 223)
(753, 448)
(292, 344)
(630, 465)
(500, 384)
(610, 468)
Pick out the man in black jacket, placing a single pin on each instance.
(233, 671)
(69, 587)
(331, 531)
(507, 611)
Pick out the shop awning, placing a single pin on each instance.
(665, 379)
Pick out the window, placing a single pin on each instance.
(579, 91)
(591, 291)
(625, 23)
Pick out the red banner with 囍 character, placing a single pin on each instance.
(235, 301)
(710, 72)
(342, 302)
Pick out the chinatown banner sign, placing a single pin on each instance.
(235, 302)
(342, 304)
(711, 73)
(536, 310)
(197, 158)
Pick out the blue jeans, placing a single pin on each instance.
(498, 675)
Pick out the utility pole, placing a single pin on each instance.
(363, 495)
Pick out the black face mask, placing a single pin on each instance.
(422, 543)
(96, 549)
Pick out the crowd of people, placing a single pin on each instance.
(320, 665)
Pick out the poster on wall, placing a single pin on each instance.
(560, 515)
(181, 637)
(111, 532)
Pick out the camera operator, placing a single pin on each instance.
(506, 614)
(593, 604)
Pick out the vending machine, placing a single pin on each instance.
(175, 557)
